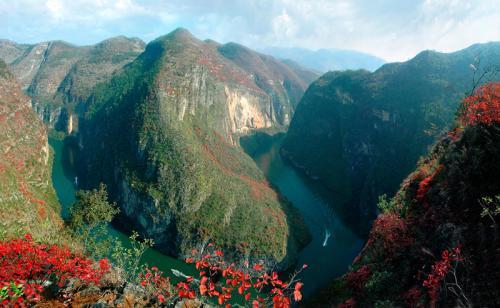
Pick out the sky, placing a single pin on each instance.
(394, 30)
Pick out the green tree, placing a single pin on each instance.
(385, 204)
(89, 217)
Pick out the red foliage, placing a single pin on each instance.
(439, 271)
(424, 185)
(220, 280)
(357, 279)
(392, 230)
(156, 284)
(483, 107)
(26, 263)
(350, 303)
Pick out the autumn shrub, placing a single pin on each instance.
(425, 185)
(155, 284)
(357, 279)
(28, 267)
(392, 231)
(440, 270)
(483, 106)
(222, 282)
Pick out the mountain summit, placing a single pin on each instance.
(171, 122)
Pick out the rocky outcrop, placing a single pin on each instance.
(27, 200)
(360, 133)
(59, 76)
(163, 135)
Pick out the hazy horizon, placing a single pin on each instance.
(390, 30)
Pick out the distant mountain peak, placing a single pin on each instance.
(324, 60)
(182, 33)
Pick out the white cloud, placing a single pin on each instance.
(392, 29)
(55, 8)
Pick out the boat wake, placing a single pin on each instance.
(327, 236)
(180, 274)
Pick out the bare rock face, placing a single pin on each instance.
(27, 200)
(164, 136)
(59, 76)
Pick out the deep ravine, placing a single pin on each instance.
(326, 259)
(63, 178)
(333, 245)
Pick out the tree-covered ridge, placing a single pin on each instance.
(438, 236)
(360, 133)
(170, 160)
(27, 199)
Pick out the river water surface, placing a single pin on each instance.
(63, 179)
(333, 245)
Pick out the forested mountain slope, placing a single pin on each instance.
(436, 241)
(28, 203)
(163, 135)
(360, 133)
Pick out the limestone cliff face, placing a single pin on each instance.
(163, 135)
(27, 199)
(246, 112)
(59, 76)
(233, 88)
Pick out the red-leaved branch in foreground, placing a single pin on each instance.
(482, 107)
(27, 266)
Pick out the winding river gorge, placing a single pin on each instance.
(328, 255)
(333, 245)
(63, 179)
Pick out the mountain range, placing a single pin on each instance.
(160, 125)
(324, 60)
(171, 121)
(361, 133)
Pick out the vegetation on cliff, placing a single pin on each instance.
(360, 133)
(27, 200)
(170, 122)
(438, 237)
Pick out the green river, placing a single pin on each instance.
(333, 245)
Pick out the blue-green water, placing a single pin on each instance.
(326, 259)
(63, 179)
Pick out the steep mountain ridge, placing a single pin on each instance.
(58, 75)
(438, 237)
(28, 203)
(359, 133)
(163, 135)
